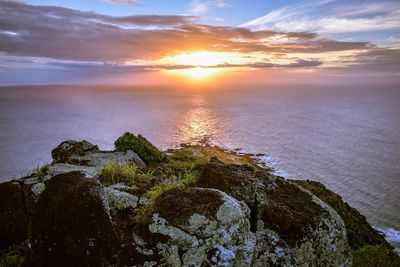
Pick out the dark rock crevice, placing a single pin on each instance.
(254, 215)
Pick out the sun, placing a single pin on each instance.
(201, 59)
(199, 66)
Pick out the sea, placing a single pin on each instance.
(348, 138)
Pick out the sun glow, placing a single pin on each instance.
(200, 66)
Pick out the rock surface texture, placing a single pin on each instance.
(172, 213)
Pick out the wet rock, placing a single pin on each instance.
(14, 217)
(66, 149)
(195, 226)
(70, 224)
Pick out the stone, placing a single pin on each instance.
(99, 159)
(70, 224)
(292, 226)
(60, 168)
(202, 225)
(66, 149)
(118, 200)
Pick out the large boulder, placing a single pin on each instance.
(85, 157)
(71, 225)
(69, 148)
(292, 226)
(14, 217)
(194, 227)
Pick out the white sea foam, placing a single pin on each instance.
(392, 236)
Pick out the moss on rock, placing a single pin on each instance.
(140, 145)
(369, 247)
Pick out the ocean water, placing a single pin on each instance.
(346, 138)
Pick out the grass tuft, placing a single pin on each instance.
(113, 173)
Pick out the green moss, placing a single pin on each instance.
(200, 155)
(13, 256)
(375, 256)
(113, 173)
(140, 145)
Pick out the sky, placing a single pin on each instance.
(199, 41)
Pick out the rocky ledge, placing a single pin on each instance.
(192, 206)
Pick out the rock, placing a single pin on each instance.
(240, 181)
(91, 163)
(70, 224)
(38, 188)
(193, 227)
(14, 217)
(359, 231)
(60, 168)
(99, 159)
(118, 200)
(368, 246)
(66, 149)
(292, 227)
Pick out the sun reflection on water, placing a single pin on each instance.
(198, 124)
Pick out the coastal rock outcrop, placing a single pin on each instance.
(110, 208)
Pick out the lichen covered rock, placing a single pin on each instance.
(118, 200)
(292, 226)
(194, 226)
(69, 148)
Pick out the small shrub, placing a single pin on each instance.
(140, 145)
(377, 255)
(113, 173)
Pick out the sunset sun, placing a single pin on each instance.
(201, 65)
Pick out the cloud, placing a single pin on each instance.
(335, 18)
(222, 4)
(56, 36)
(198, 7)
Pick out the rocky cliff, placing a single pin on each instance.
(193, 206)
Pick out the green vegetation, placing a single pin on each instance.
(113, 173)
(375, 256)
(13, 256)
(40, 172)
(368, 246)
(140, 145)
(200, 155)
